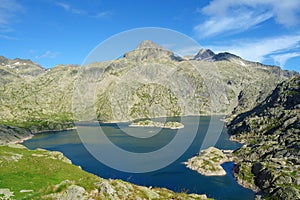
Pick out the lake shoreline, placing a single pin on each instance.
(235, 172)
(207, 120)
(235, 175)
(21, 140)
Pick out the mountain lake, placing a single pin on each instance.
(174, 176)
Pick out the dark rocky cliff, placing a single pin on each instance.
(270, 158)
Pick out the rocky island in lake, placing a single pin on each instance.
(208, 162)
(149, 123)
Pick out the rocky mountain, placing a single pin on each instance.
(205, 54)
(149, 81)
(41, 102)
(209, 55)
(270, 158)
(12, 70)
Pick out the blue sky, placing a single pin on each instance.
(52, 32)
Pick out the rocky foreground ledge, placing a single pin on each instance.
(149, 123)
(208, 162)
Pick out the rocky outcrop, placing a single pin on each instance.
(6, 194)
(208, 162)
(149, 123)
(270, 157)
(116, 190)
(17, 134)
(205, 54)
(12, 134)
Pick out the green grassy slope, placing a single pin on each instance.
(40, 174)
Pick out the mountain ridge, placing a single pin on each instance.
(18, 69)
(146, 82)
(203, 54)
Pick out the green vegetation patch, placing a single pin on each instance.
(41, 174)
(37, 170)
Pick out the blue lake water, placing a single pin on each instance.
(174, 176)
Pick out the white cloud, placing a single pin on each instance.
(48, 54)
(72, 9)
(32, 51)
(237, 16)
(6, 37)
(104, 14)
(236, 24)
(281, 59)
(8, 10)
(64, 6)
(287, 12)
(258, 50)
(69, 8)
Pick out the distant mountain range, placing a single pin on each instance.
(16, 69)
(149, 81)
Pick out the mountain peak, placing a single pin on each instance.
(204, 54)
(148, 50)
(225, 56)
(148, 44)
